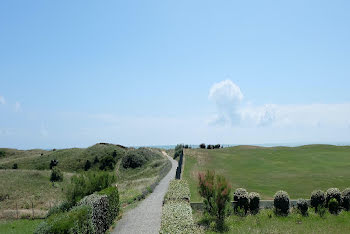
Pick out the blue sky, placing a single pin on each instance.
(73, 73)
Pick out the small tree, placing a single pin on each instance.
(107, 163)
(56, 175)
(202, 146)
(53, 163)
(15, 166)
(96, 160)
(87, 165)
(216, 193)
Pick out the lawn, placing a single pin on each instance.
(21, 226)
(297, 170)
(267, 222)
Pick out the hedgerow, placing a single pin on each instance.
(333, 193)
(177, 218)
(281, 202)
(113, 203)
(178, 190)
(254, 202)
(241, 197)
(346, 199)
(318, 199)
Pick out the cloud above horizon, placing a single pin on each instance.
(231, 110)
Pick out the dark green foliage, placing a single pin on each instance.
(2, 153)
(241, 197)
(333, 193)
(281, 203)
(15, 166)
(113, 203)
(133, 159)
(346, 199)
(333, 206)
(77, 220)
(62, 207)
(202, 146)
(254, 202)
(96, 160)
(318, 198)
(53, 163)
(56, 175)
(87, 165)
(99, 205)
(87, 183)
(178, 151)
(114, 154)
(216, 193)
(107, 163)
(302, 206)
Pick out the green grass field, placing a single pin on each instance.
(22, 226)
(297, 170)
(267, 222)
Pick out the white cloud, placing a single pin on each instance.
(18, 107)
(231, 110)
(227, 97)
(2, 100)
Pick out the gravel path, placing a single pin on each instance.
(145, 218)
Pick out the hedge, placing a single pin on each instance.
(100, 207)
(177, 218)
(113, 203)
(178, 190)
(77, 220)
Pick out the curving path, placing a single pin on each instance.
(145, 218)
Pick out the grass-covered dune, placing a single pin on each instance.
(72, 159)
(297, 170)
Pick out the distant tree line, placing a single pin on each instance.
(217, 146)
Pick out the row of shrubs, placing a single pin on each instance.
(177, 211)
(217, 146)
(91, 206)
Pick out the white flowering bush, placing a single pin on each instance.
(177, 218)
(178, 190)
(100, 208)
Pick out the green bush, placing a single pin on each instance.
(178, 151)
(107, 163)
(281, 203)
(133, 159)
(62, 207)
(87, 165)
(346, 199)
(15, 166)
(216, 193)
(100, 208)
(177, 218)
(333, 206)
(254, 202)
(241, 197)
(318, 198)
(333, 193)
(87, 183)
(56, 175)
(2, 153)
(113, 203)
(77, 220)
(302, 206)
(178, 190)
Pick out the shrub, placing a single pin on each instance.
(333, 206)
(99, 205)
(62, 207)
(302, 206)
(87, 165)
(77, 220)
(107, 163)
(15, 166)
(56, 175)
(53, 163)
(216, 193)
(96, 160)
(281, 202)
(133, 160)
(241, 197)
(346, 199)
(2, 153)
(87, 183)
(333, 193)
(178, 190)
(113, 203)
(318, 198)
(254, 202)
(178, 151)
(177, 218)
(202, 146)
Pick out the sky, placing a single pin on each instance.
(74, 73)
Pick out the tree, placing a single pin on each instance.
(202, 146)
(56, 175)
(107, 163)
(15, 166)
(114, 154)
(96, 160)
(87, 165)
(53, 163)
